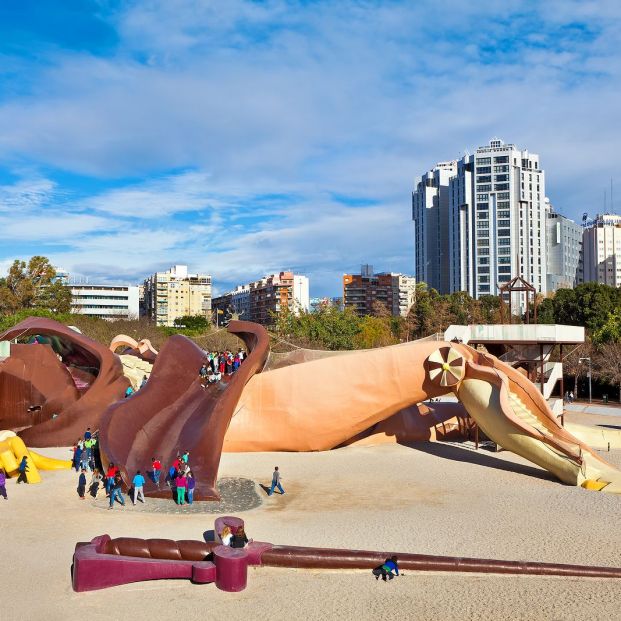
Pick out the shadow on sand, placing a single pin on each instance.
(455, 453)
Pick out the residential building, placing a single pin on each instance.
(176, 293)
(318, 304)
(258, 301)
(601, 250)
(105, 301)
(563, 251)
(363, 291)
(430, 208)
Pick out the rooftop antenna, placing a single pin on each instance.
(612, 204)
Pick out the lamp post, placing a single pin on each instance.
(580, 362)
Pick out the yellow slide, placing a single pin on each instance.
(13, 449)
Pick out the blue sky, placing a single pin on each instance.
(245, 137)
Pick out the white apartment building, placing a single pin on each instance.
(176, 293)
(105, 301)
(601, 249)
(430, 207)
(563, 251)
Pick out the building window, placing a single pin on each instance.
(501, 159)
(504, 232)
(484, 170)
(484, 188)
(484, 179)
(483, 251)
(482, 197)
(504, 269)
(501, 169)
(501, 178)
(505, 241)
(503, 196)
(483, 161)
(482, 205)
(502, 186)
(503, 214)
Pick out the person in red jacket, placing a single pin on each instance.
(156, 465)
(110, 474)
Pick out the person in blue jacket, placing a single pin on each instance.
(138, 482)
(23, 469)
(386, 569)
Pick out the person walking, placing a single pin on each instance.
(182, 484)
(93, 486)
(116, 491)
(191, 485)
(156, 466)
(138, 487)
(3, 483)
(23, 469)
(82, 484)
(276, 478)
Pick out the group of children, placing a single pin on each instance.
(179, 478)
(219, 364)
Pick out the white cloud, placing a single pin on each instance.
(211, 107)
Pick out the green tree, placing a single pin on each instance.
(195, 323)
(33, 285)
(545, 311)
(610, 332)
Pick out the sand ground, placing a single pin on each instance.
(429, 498)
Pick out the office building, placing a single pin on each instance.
(490, 224)
(105, 301)
(563, 251)
(260, 300)
(430, 204)
(601, 250)
(362, 292)
(176, 293)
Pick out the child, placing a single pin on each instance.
(191, 486)
(23, 469)
(156, 464)
(82, 484)
(93, 486)
(182, 484)
(3, 484)
(226, 535)
(386, 569)
(116, 491)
